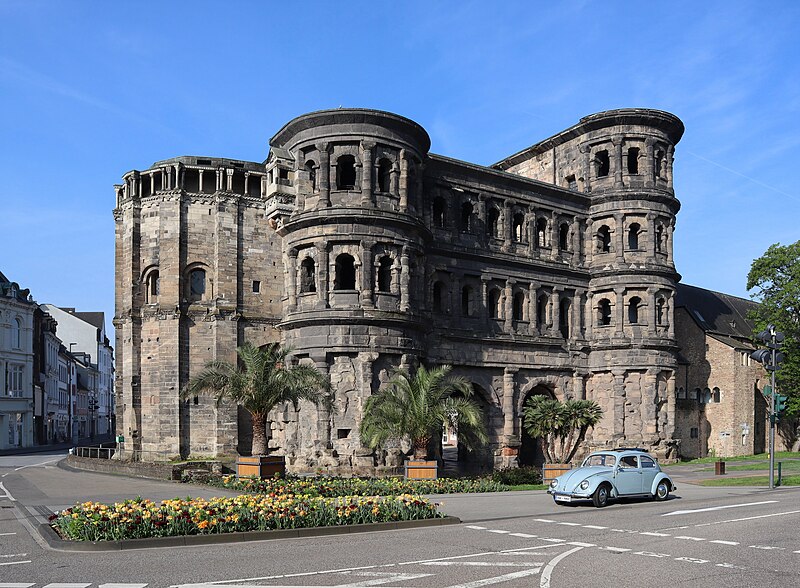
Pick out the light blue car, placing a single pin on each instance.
(606, 475)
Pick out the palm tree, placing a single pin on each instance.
(561, 428)
(262, 380)
(417, 408)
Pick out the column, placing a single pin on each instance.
(508, 305)
(647, 409)
(651, 237)
(670, 154)
(579, 386)
(619, 237)
(556, 312)
(554, 228)
(589, 247)
(509, 390)
(220, 177)
(533, 325)
(322, 274)
(366, 173)
(669, 426)
(291, 278)
(587, 168)
(669, 314)
(246, 183)
(366, 359)
(506, 225)
(152, 183)
(617, 142)
(619, 308)
(576, 243)
(229, 180)
(485, 301)
(533, 244)
(367, 274)
(405, 281)
(323, 440)
(669, 229)
(589, 316)
(618, 394)
(179, 173)
(403, 181)
(651, 311)
(324, 175)
(650, 161)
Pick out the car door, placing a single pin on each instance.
(628, 476)
(649, 471)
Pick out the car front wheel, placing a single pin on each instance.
(600, 496)
(662, 490)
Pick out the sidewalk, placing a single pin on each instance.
(84, 442)
(696, 473)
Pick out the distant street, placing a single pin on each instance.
(711, 537)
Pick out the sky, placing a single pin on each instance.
(90, 90)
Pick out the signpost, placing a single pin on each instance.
(771, 359)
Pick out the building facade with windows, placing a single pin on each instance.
(549, 272)
(16, 365)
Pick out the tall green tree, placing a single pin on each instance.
(560, 427)
(262, 379)
(417, 408)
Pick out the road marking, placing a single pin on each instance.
(523, 535)
(16, 585)
(693, 560)
(497, 579)
(4, 534)
(680, 512)
(7, 493)
(616, 549)
(123, 585)
(579, 544)
(499, 531)
(61, 585)
(651, 554)
(774, 514)
(766, 547)
(548, 569)
(631, 531)
(689, 538)
(569, 524)
(476, 527)
(594, 527)
(36, 465)
(727, 565)
(545, 520)
(13, 563)
(552, 540)
(15, 555)
(721, 542)
(651, 534)
(487, 564)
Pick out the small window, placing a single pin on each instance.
(342, 433)
(307, 276)
(603, 163)
(384, 175)
(698, 395)
(659, 165)
(346, 172)
(571, 182)
(494, 303)
(659, 238)
(660, 311)
(385, 274)
(541, 232)
(438, 297)
(197, 284)
(541, 310)
(647, 462)
(633, 310)
(467, 301)
(345, 278)
(628, 462)
(518, 306)
(633, 160)
(716, 396)
(439, 209)
(466, 217)
(283, 174)
(493, 222)
(563, 317)
(604, 239)
(694, 433)
(312, 175)
(563, 237)
(633, 236)
(604, 312)
(681, 393)
(518, 227)
(256, 286)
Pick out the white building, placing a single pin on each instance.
(16, 365)
(85, 332)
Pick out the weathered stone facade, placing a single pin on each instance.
(550, 272)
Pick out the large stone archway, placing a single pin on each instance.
(530, 451)
(456, 458)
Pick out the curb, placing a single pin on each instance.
(55, 542)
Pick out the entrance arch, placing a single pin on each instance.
(457, 459)
(530, 451)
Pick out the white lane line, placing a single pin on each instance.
(523, 535)
(594, 527)
(721, 542)
(123, 585)
(7, 493)
(16, 585)
(767, 547)
(476, 527)
(689, 538)
(569, 524)
(774, 514)
(616, 549)
(579, 544)
(15, 555)
(4, 534)
(65, 585)
(631, 531)
(521, 550)
(488, 564)
(13, 563)
(548, 569)
(680, 512)
(552, 540)
(36, 465)
(651, 554)
(651, 534)
(545, 520)
(499, 531)
(798, 551)
(693, 560)
(497, 579)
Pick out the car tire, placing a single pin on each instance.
(601, 495)
(662, 490)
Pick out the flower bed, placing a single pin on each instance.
(331, 486)
(133, 519)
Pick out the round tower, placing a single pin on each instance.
(353, 263)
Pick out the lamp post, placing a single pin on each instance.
(771, 358)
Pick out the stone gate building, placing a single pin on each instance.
(549, 272)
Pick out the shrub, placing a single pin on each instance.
(512, 476)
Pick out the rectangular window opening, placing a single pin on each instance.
(256, 286)
(342, 433)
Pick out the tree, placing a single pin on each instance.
(417, 408)
(262, 379)
(775, 277)
(560, 427)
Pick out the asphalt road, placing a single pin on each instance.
(700, 537)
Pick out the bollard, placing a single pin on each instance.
(719, 468)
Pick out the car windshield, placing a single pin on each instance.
(600, 460)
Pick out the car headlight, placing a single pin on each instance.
(554, 483)
(584, 484)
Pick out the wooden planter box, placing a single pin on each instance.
(421, 470)
(550, 471)
(260, 466)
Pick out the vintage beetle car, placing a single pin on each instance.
(617, 473)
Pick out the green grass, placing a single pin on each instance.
(527, 487)
(787, 466)
(759, 456)
(751, 481)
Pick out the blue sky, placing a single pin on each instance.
(90, 90)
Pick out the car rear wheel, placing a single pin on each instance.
(662, 490)
(601, 495)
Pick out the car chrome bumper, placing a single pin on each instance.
(568, 496)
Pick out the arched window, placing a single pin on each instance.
(153, 287)
(494, 303)
(716, 395)
(439, 293)
(518, 307)
(633, 310)
(439, 212)
(604, 312)
(345, 278)
(312, 175)
(518, 227)
(385, 274)
(541, 232)
(197, 284)
(308, 276)
(633, 160)
(681, 393)
(466, 217)
(706, 396)
(16, 333)
(563, 317)
(541, 310)
(698, 395)
(658, 164)
(346, 172)
(467, 301)
(603, 163)
(493, 222)
(633, 236)
(660, 311)
(563, 237)
(604, 239)
(384, 175)
(659, 238)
